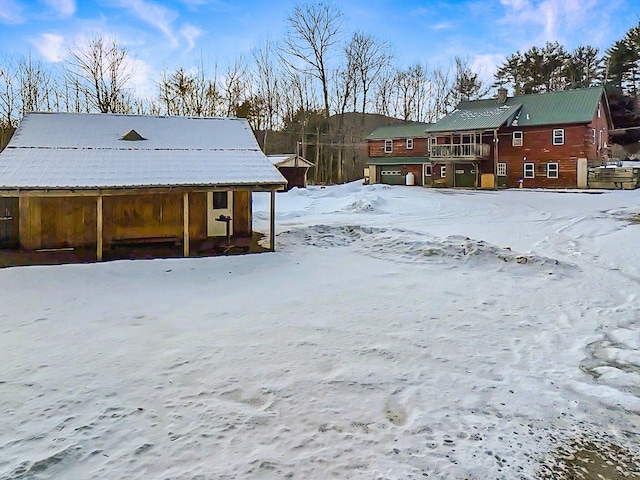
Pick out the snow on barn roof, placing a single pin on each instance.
(65, 150)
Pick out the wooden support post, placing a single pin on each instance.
(272, 222)
(99, 229)
(185, 227)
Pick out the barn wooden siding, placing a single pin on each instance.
(71, 221)
(376, 148)
(538, 148)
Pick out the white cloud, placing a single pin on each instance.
(552, 19)
(141, 82)
(153, 14)
(51, 46)
(190, 33)
(485, 66)
(10, 12)
(64, 8)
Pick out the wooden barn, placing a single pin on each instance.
(101, 180)
(395, 151)
(534, 141)
(293, 167)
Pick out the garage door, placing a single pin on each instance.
(465, 175)
(391, 176)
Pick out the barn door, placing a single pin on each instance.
(219, 207)
(8, 221)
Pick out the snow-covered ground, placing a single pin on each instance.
(397, 332)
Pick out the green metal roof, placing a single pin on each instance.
(401, 130)
(555, 108)
(397, 160)
(483, 118)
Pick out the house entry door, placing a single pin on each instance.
(219, 207)
(8, 221)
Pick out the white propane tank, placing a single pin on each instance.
(410, 179)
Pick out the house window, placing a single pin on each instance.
(552, 170)
(502, 169)
(593, 136)
(443, 171)
(516, 139)
(220, 200)
(558, 136)
(427, 170)
(600, 142)
(599, 111)
(388, 146)
(529, 170)
(409, 143)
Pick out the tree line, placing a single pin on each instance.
(297, 91)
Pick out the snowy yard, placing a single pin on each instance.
(397, 332)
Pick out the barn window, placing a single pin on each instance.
(552, 170)
(220, 200)
(388, 146)
(529, 170)
(443, 171)
(409, 143)
(502, 169)
(516, 139)
(558, 136)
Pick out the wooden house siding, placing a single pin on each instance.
(538, 148)
(375, 148)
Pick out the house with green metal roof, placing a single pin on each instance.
(535, 141)
(398, 155)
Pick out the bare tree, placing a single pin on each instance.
(384, 86)
(102, 69)
(267, 85)
(235, 85)
(314, 29)
(9, 108)
(34, 83)
(368, 57)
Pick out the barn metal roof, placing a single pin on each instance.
(64, 150)
(403, 130)
(554, 108)
(483, 118)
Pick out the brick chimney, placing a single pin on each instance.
(502, 95)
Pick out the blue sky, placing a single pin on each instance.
(164, 35)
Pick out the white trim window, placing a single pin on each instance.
(552, 170)
(443, 171)
(558, 136)
(388, 146)
(599, 111)
(427, 170)
(501, 169)
(409, 144)
(529, 170)
(517, 139)
(593, 136)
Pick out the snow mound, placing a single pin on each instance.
(362, 205)
(404, 245)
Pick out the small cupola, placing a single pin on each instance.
(132, 135)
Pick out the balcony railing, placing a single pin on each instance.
(464, 150)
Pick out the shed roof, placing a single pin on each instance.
(289, 160)
(554, 108)
(404, 130)
(64, 150)
(397, 160)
